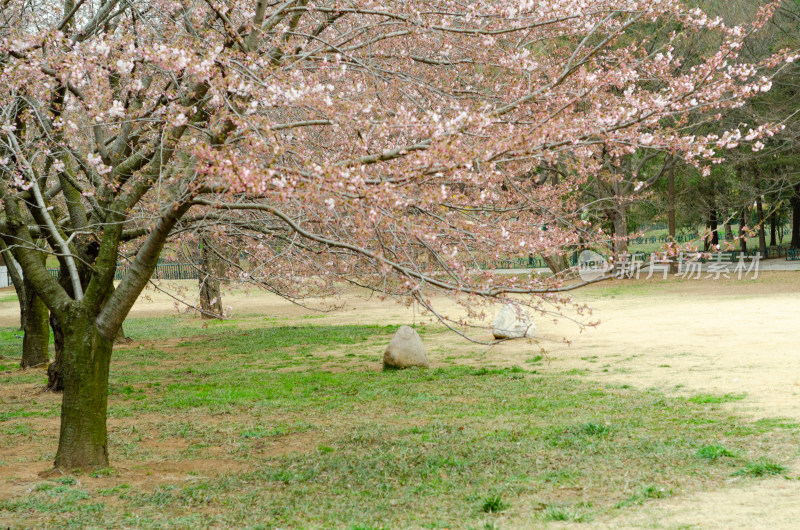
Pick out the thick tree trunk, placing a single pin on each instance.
(37, 330)
(210, 296)
(55, 376)
(83, 440)
(795, 203)
(728, 230)
(762, 239)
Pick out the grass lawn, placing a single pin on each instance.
(257, 423)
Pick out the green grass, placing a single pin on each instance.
(275, 425)
(716, 399)
(643, 494)
(558, 513)
(761, 468)
(777, 423)
(594, 429)
(10, 347)
(714, 452)
(493, 504)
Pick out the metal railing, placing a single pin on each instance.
(164, 271)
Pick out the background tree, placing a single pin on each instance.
(210, 273)
(34, 315)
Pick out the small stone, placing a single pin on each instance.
(405, 350)
(513, 322)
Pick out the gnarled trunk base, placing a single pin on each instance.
(83, 440)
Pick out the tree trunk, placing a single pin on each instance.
(121, 338)
(55, 377)
(742, 233)
(556, 263)
(673, 265)
(22, 309)
(795, 203)
(728, 230)
(762, 239)
(37, 330)
(83, 440)
(33, 318)
(712, 240)
(55, 374)
(210, 296)
(620, 231)
(773, 229)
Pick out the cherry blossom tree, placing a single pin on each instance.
(400, 146)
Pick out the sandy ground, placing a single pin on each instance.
(680, 337)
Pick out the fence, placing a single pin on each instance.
(680, 238)
(164, 271)
(5, 277)
(686, 238)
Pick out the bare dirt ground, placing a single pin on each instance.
(681, 337)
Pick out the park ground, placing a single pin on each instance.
(680, 410)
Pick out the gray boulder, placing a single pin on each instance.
(513, 322)
(405, 350)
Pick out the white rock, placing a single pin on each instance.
(405, 350)
(513, 322)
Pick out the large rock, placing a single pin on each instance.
(405, 350)
(513, 322)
